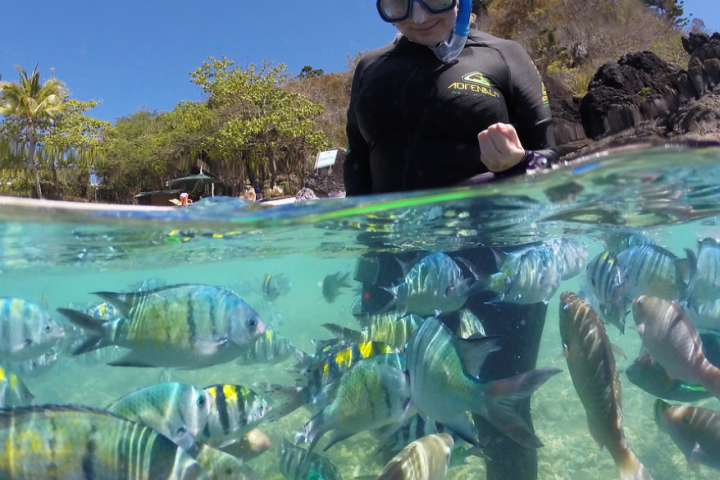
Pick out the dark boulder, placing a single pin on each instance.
(701, 117)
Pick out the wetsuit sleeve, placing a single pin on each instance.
(356, 169)
(529, 108)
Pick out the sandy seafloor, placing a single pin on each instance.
(569, 451)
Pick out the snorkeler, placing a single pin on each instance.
(435, 109)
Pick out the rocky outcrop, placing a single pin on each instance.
(643, 98)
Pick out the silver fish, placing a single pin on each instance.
(571, 255)
(443, 371)
(530, 275)
(695, 431)
(270, 348)
(94, 444)
(671, 339)
(425, 459)
(13, 392)
(469, 325)
(298, 464)
(350, 405)
(180, 412)
(707, 280)
(594, 374)
(606, 284)
(28, 330)
(652, 270)
(188, 326)
(35, 367)
(435, 283)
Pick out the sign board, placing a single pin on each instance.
(326, 159)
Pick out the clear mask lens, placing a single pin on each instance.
(399, 10)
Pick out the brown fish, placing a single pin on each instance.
(424, 459)
(594, 374)
(673, 341)
(695, 431)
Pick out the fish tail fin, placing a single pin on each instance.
(501, 403)
(710, 377)
(394, 292)
(83, 320)
(122, 301)
(482, 279)
(311, 432)
(343, 332)
(658, 408)
(630, 467)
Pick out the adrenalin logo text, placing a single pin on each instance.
(474, 82)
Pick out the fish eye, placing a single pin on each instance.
(686, 419)
(201, 402)
(252, 322)
(565, 307)
(48, 328)
(181, 431)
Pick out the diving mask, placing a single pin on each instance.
(393, 11)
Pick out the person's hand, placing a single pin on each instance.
(500, 147)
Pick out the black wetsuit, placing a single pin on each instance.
(412, 124)
(413, 120)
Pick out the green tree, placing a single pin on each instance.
(671, 9)
(75, 139)
(309, 72)
(35, 105)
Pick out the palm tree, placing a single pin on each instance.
(34, 105)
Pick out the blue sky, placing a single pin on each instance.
(137, 54)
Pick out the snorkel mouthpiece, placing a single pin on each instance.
(448, 50)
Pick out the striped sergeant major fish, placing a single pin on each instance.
(296, 463)
(707, 281)
(529, 275)
(188, 326)
(444, 383)
(594, 374)
(275, 285)
(394, 440)
(435, 283)
(270, 348)
(427, 458)
(606, 286)
(26, 330)
(350, 405)
(570, 254)
(234, 411)
(175, 410)
(34, 367)
(13, 392)
(380, 328)
(70, 442)
(695, 431)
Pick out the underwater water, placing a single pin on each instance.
(57, 254)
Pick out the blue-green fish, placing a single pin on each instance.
(380, 328)
(649, 375)
(351, 405)
(469, 325)
(444, 383)
(298, 464)
(188, 326)
(427, 458)
(28, 330)
(652, 270)
(234, 411)
(70, 443)
(435, 283)
(13, 392)
(180, 412)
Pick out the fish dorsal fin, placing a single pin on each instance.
(474, 351)
(394, 468)
(500, 257)
(122, 301)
